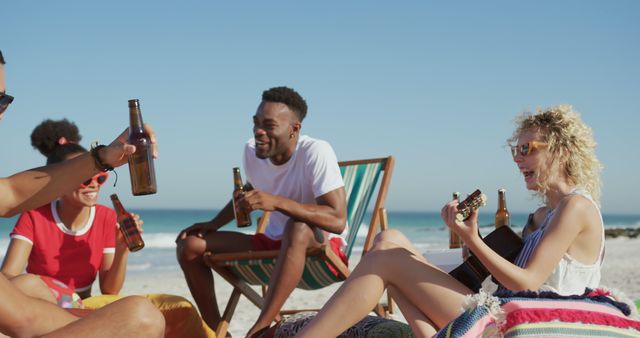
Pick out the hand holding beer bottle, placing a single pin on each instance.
(243, 217)
(141, 168)
(128, 226)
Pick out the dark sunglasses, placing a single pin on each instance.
(526, 148)
(5, 101)
(100, 179)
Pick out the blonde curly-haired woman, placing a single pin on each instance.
(563, 247)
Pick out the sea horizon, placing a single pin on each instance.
(161, 226)
(421, 226)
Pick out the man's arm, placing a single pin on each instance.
(225, 216)
(32, 188)
(329, 214)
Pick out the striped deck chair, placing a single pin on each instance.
(361, 179)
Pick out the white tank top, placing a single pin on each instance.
(570, 277)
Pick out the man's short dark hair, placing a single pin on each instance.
(1, 58)
(288, 96)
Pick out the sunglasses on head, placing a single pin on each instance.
(5, 101)
(100, 179)
(526, 148)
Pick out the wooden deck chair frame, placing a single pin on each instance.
(221, 262)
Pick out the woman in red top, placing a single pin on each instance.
(72, 239)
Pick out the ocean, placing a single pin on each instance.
(425, 229)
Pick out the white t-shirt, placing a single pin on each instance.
(311, 172)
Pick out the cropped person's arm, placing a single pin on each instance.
(32, 188)
(15, 261)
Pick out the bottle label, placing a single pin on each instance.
(131, 234)
(243, 219)
(142, 171)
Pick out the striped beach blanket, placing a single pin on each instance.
(544, 314)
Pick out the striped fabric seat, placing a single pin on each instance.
(363, 180)
(530, 314)
(360, 180)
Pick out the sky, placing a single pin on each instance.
(435, 84)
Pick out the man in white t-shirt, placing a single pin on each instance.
(295, 177)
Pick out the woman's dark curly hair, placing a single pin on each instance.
(46, 138)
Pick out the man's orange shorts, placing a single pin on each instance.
(260, 242)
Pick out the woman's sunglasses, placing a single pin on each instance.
(526, 148)
(99, 179)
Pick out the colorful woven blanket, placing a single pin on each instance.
(544, 314)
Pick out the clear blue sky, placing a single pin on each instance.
(435, 84)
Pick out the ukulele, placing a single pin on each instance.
(502, 240)
(474, 201)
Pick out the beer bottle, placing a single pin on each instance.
(141, 170)
(128, 226)
(243, 219)
(454, 239)
(502, 215)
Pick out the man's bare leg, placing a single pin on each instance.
(287, 272)
(199, 276)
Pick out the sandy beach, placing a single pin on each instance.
(621, 271)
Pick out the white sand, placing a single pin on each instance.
(621, 271)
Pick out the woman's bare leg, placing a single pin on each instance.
(420, 324)
(393, 261)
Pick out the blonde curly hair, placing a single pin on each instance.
(570, 143)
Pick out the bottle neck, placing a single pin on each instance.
(502, 202)
(119, 208)
(135, 119)
(237, 181)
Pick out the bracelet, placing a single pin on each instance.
(96, 157)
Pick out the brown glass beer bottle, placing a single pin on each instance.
(243, 218)
(502, 215)
(454, 239)
(128, 226)
(141, 170)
